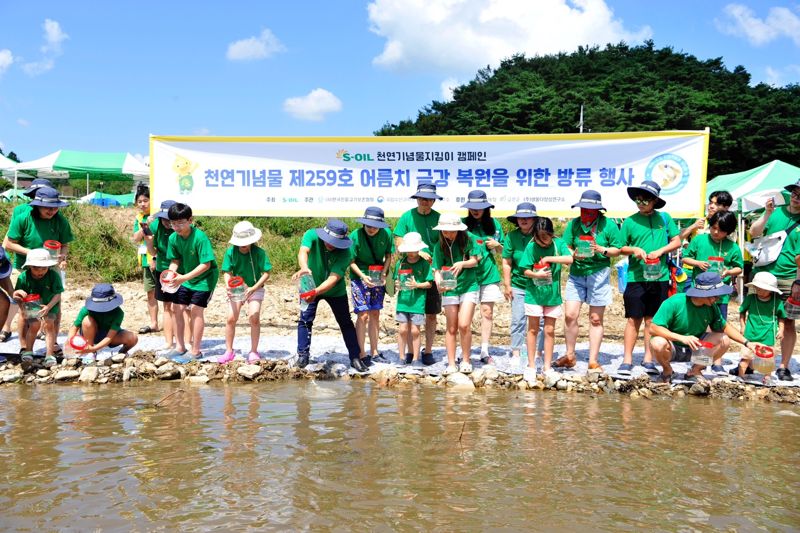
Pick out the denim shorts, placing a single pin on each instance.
(594, 289)
(366, 298)
(415, 318)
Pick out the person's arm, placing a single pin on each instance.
(104, 343)
(327, 285)
(7, 287)
(660, 331)
(732, 272)
(757, 227)
(674, 244)
(62, 258)
(12, 245)
(196, 271)
(694, 263)
(302, 260)
(458, 266)
(260, 283)
(360, 273)
(688, 230)
(779, 333)
(507, 278)
(560, 259)
(54, 301)
(635, 251)
(742, 320)
(608, 251)
(735, 335)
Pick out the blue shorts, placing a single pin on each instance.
(366, 298)
(415, 318)
(594, 289)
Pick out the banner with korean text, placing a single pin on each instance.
(341, 176)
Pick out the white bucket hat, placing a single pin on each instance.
(412, 242)
(39, 257)
(766, 281)
(450, 222)
(245, 233)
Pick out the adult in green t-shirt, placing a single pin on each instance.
(489, 236)
(422, 219)
(648, 236)
(157, 244)
(372, 255)
(100, 322)
(191, 256)
(325, 255)
(514, 280)
(681, 324)
(594, 239)
(787, 267)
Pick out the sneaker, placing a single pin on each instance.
(253, 358)
(409, 359)
(185, 358)
(3, 359)
(380, 359)
(529, 374)
(451, 369)
(368, 361)
(487, 359)
(650, 368)
(784, 374)
(174, 353)
(417, 364)
(625, 369)
(358, 365)
(465, 367)
(302, 360)
(227, 357)
(735, 371)
(49, 361)
(427, 358)
(665, 378)
(691, 378)
(718, 370)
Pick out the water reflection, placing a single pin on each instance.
(338, 455)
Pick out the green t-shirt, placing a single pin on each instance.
(466, 280)
(487, 271)
(412, 301)
(679, 315)
(605, 233)
(192, 251)
(784, 267)
(703, 246)
(141, 250)
(160, 243)
(31, 232)
(362, 253)
(514, 248)
(46, 287)
(544, 295)
(108, 321)
(250, 266)
(647, 232)
(761, 324)
(323, 263)
(411, 220)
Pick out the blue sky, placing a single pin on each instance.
(103, 76)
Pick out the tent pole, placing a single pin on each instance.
(16, 183)
(87, 184)
(740, 279)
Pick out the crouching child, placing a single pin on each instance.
(100, 322)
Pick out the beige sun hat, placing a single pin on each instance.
(450, 222)
(412, 242)
(245, 233)
(39, 257)
(766, 281)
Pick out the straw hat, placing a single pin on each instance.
(412, 242)
(245, 233)
(766, 281)
(450, 222)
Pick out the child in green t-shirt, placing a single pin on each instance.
(760, 317)
(413, 278)
(39, 291)
(99, 322)
(457, 253)
(246, 269)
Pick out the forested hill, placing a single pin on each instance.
(624, 88)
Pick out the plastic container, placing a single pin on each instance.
(78, 343)
(622, 275)
(541, 282)
(236, 288)
(166, 277)
(792, 308)
(305, 287)
(652, 269)
(702, 356)
(406, 278)
(764, 361)
(375, 273)
(33, 305)
(716, 264)
(448, 279)
(583, 247)
(54, 248)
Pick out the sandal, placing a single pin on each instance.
(596, 366)
(4, 336)
(565, 362)
(144, 330)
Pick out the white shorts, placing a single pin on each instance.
(467, 297)
(491, 293)
(549, 311)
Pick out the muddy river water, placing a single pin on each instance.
(352, 456)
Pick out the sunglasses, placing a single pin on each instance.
(796, 194)
(642, 201)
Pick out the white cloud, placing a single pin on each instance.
(313, 106)
(463, 35)
(447, 87)
(22, 122)
(741, 21)
(778, 77)
(6, 60)
(201, 131)
(254, 48)
(53, 37)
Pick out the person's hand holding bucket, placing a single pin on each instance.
(78, 344)
(168, 281)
